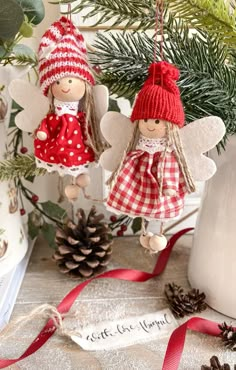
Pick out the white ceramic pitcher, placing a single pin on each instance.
(212, 266)
(13, 241)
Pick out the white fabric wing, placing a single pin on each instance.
(101, 100)
(117, 129)
(35, 104)
(197, 138)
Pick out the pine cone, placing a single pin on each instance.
(83, 249)
(184, 304)
(228, 335)
(215, 365)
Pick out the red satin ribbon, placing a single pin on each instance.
(176, 342)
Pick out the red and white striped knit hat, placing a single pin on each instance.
(62, 52)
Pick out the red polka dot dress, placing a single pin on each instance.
(64, 149)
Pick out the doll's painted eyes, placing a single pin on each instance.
(156, 121)
(58, 82)
(70, 81)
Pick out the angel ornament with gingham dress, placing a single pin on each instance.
(65, 118)
(154, 158)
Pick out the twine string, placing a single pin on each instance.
(159, 30)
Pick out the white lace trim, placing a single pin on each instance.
(63, 170)
(152, 146)
(62, 107)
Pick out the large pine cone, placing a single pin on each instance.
(83, 250)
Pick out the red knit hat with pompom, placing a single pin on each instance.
(159, 97)
(62, 52)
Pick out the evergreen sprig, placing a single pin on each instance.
(20, 59)
(20, 166)
(217, 17)
(138, 13)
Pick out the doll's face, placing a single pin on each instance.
(68, 89)
(152, 128)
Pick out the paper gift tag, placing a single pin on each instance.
(122, 333)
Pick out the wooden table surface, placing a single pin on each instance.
(106, 299)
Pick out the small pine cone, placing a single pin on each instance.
(83, 250)
(228, 335)
(215, 365)
(184, 304)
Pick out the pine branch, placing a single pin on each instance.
(215, 16)
(207, 83)
(140, 13)
(21, 166)
(20, 59)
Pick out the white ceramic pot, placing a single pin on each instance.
(213, 256)
(13, 241)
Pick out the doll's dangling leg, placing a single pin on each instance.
(145, 236)
(80, 182)
(83, 180)
(72, 191)
(158, 242)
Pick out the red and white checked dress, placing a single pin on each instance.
(136, 190)
(64, 150)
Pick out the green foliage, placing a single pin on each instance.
(11, 18)
(33, 228)
(113, 106)
(49, 232)
(37, 225)
(21, 59)
(20, 166)
(17, 18)
(217, 17)
(123, 59)
(138, 12)
(136, 224)
(54, 211)
(214, 16)
(33, 9)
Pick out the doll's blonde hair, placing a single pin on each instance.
(173, 138)
(92, 128)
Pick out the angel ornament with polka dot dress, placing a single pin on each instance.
(155, 159)
(68, 139)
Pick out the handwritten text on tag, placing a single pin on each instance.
(126, 332)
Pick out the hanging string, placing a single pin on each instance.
(156, 32)
(159, 26)
(162, 30)
(68, 16)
